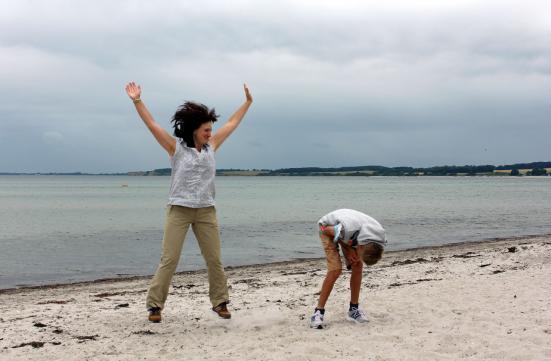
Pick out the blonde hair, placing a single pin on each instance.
(372, 253)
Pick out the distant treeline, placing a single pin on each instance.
(408, 171)
(383, 171)
(540, 165)
(374, 170)
(534, 168)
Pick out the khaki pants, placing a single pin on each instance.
(205, 227)
(332, 254)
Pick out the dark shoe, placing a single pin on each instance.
(154, 314)
(222, 310)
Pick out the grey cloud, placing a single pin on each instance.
(402, 75)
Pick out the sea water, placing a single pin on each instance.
(57, 229)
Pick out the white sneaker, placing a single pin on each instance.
(316, 321)
(356, 315)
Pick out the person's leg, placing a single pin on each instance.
(177, 223)
(327, 286)
(355, 314)
(208, 236)
(356, 282)
(334, 268)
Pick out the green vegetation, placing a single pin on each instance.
(532, 165)
(447, 170)
(538, 171)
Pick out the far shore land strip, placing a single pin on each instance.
(518, 169)
(487, 300)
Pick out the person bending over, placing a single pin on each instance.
(361, 238)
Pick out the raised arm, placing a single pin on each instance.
(166, 141)
(224, 132)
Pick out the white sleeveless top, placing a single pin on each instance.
(192, 180)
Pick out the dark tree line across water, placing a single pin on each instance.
(537, 168)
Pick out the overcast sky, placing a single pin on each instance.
(335, 83)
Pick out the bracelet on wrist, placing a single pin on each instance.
(136, 101)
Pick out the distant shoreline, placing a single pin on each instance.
(240, 174)
(517, 169)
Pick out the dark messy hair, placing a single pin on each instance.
(189, 117)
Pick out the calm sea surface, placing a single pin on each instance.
(71, 228)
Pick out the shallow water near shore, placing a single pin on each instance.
(74, 228)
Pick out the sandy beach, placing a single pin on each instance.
(488, 300)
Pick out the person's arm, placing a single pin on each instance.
(352, 254)
(327, 231)
(166, 141)
(224, 132)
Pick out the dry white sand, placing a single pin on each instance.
(478, 301)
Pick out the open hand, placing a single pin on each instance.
(133, 90)
(248, 95)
